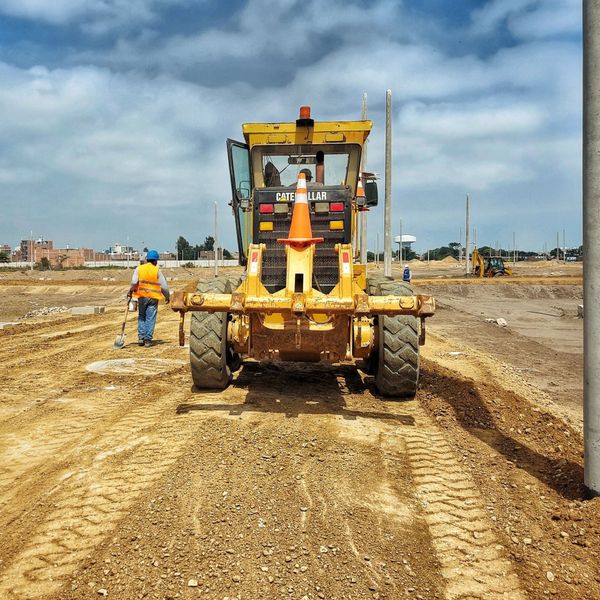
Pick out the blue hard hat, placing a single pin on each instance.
(152, 255)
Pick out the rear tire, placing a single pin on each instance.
(369, 364)
(397, 360)
(210, 357)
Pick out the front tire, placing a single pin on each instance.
(208, 341)
(397, 362)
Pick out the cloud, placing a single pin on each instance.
(94, 16)
(128, 138)
(529, 19)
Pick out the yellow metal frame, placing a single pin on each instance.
(346, 298)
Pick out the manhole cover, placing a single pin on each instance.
(134, 366)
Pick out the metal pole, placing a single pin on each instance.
(31, 250)
(514, 249)
(467, 231)
(216, 244)
(591, 245)
(387, 221)
(564, 246)
(557, 247)
(363, 167)
(460, 246)
(400, 253)
(427, 257)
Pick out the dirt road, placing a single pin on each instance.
(294, 483)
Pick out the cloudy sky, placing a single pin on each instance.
(114, 113)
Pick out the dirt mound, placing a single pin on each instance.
(494, 290)
(449, 260)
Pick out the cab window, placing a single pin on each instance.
(276, 166)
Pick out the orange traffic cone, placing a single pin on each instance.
(300, 229)
(361, 200)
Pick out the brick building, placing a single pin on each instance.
(36, 250)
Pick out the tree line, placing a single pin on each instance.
(454, 249)
(185, 251)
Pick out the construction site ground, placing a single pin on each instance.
(117, 479)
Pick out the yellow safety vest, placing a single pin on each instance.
(148, 285)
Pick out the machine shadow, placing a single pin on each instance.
(473, 415)
(297, 388)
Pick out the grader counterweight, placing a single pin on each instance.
(303, 297)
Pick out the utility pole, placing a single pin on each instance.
(564, 246)
(557, 247)
(467, 230)
(514, 250)
(216, 244)
(387, 222)
(363, 166)
(400, 253)
(591, 246)
(31, 250)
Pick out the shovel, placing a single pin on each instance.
(120, 340)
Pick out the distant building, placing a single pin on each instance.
(5, 249)
(121, 249)
(37, 250)
(29, 247)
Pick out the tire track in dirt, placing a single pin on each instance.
(473, 562)
(53, 421)
(88, 504)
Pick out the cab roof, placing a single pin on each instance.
(320, 132)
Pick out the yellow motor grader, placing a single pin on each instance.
(303, 298)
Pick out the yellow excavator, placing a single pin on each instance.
(492, 266)
(296, 196)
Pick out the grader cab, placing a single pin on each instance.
(296, 197)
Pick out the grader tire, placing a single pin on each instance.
(397, 361)
(208, 341)
(369, 364)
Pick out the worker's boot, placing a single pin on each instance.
(140, 342)
(147, 343)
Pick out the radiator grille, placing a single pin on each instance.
(326, 258)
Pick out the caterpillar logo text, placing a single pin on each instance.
(290, 196)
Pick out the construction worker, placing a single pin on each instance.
(406, 274)
(307, 174)
(148, 285)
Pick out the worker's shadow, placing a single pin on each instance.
(560, 473)
(297, 388)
